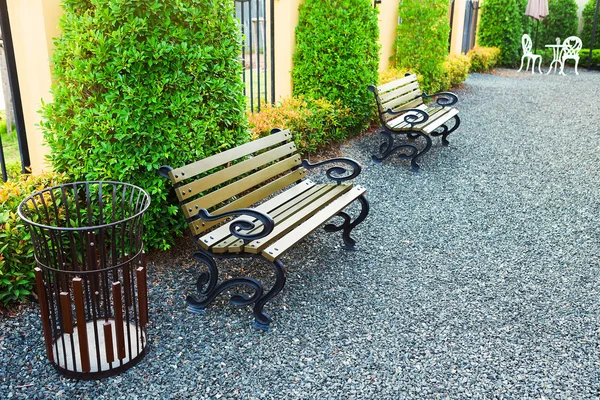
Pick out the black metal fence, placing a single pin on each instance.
(11, 66)
(470, 29)
(258, 57)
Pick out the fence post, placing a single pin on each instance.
(34, 23)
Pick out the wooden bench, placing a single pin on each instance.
(402, 111)
(263, 183)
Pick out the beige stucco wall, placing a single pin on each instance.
(458, 25)
(388, 21)
(33, 24)
(286, 19)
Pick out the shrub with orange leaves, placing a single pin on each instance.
(313, 123)
(16, 250)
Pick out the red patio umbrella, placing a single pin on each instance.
(538, 10)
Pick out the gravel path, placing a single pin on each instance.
(478, 277)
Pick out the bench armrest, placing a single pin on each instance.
(417, 116)
(237, 226)
(342, 174)
(444, 99)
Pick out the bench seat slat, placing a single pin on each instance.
(440, 121)
(206, 164)
(398, 121)
(433, 112)
(235, 245)
(193, 188)
(277, 248)
(240, 186)
(198, 226)
(301, 214)
(221, 237)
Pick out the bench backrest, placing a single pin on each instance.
(397, 95)
(252, 172)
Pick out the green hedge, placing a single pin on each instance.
(588, 22)
(562, 22)
(502, 25)
(422, 40)
(139, 84)
(337, 55)
(483, 58)
(584, 55)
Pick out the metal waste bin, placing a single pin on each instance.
(90, 275)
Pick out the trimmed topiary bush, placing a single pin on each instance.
(562, 22)
(313, 123)
(501, 26)
(422, 40)
(483, 58)
(588, 22)
(139, 84)
(456, 68)
(337, 55)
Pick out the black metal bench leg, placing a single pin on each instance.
(208, 289)
(347, 226)
(388, 148)
(415, 157)
(455, 127)
(445, 131)
(262, 319)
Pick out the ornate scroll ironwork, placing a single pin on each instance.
(337, 170)
(209, 288)
(445, 131)
(164, 171)
(387, 148)
(348, 225)
(443, 99)
(413, 116)
(236, 227)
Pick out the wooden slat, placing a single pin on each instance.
(222, 232)
(399, 102)
(440, 122)
(412, 104)
(81, 324)
(41, 292)
(198, 226)
(118, 308)
(188, 191)
(108, 342)
(398, 82)
(431, 112)
(276, 249)
(401, 91)
(65, 310)
(142, 295)
(190, 209)
(434, 113)
(256, 246)
(235, 245)
(398, 122)
(198, 167)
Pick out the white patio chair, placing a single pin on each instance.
(570, 51)
(527, 45)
